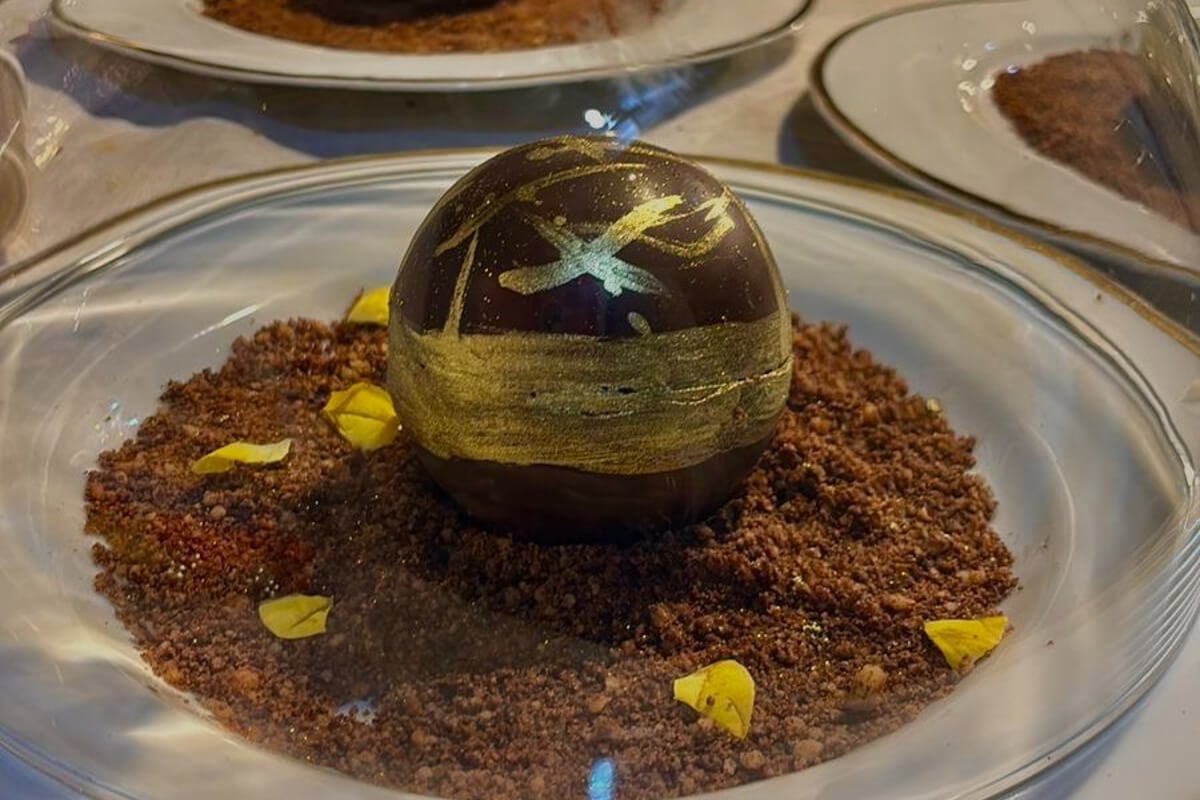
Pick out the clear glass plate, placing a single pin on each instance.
(1085, 403)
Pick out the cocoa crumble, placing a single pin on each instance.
(432, 26)
(1101, 114)
(490, 668)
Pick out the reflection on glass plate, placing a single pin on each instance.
(934, 121)
(176, 33)
(1083, 403)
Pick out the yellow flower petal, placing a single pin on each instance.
(370, 307)
(223, 458)
(363, 414)
(296, 616)
(723, 692)
(965, 641)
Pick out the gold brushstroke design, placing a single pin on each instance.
(715, 211)
(597, 257)
(468, 179)
(646, 404)
(528, 192)
(594, 149)
(459, 299)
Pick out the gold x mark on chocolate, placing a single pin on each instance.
(597, 257)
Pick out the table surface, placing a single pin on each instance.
(105, 134)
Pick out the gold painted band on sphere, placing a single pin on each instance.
(640, 405)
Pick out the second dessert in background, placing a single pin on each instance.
(436, 26)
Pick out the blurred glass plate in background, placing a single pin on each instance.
(913, 91)
(176, 33)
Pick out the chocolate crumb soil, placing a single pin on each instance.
(435, 27)
(1100, 113)
(500, 669)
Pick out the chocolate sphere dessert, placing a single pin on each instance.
(589, 337)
